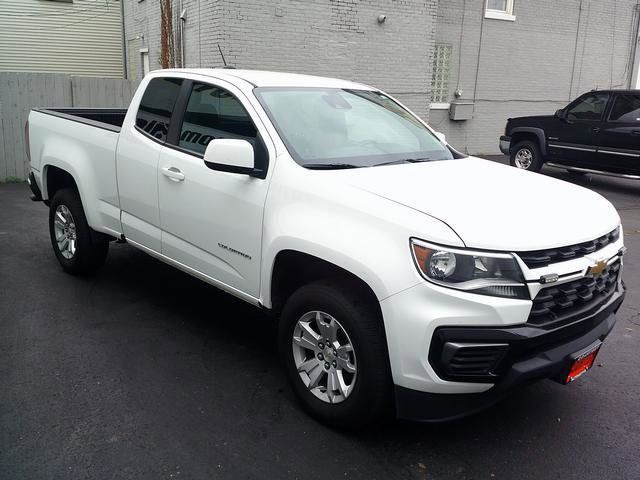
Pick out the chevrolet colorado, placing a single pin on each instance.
(599, 132)
(406, 277)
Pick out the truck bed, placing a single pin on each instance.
(82, 142)
(107, 118)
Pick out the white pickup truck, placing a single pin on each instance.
(406, 277)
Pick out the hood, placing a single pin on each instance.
(492, 206)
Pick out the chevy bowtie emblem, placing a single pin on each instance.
(597, 269)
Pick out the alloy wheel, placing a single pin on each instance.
(324, 357)
(65, 231)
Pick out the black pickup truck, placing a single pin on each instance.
(599, 132)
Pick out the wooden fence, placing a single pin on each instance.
(20, 92)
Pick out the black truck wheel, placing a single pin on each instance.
(526, 156)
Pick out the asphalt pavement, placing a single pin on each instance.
(141, 371)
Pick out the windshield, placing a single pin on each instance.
(337, 128)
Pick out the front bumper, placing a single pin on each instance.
(505, 144)
(534, 353)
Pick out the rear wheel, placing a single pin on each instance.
(525, 155)
(334, 351)
(77, 247)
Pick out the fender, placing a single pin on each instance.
(538, 132)
(94, 179)
(322, 252)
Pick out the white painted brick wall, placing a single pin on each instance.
(526, 66)
(340, 38)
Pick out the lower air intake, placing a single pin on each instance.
(472, 359)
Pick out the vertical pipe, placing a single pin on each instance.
(181, 33)
(575, 52)
(634, 60)
(475, 83)
(124, 42)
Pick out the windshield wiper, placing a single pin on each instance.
(329, 166)
(403, 160)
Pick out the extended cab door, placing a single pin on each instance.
(619, 146)
(138, 155)
(211, 220)
(574, 141)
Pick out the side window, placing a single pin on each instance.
(626, 108)
(211, 113)
(590, 107)
(156, 106)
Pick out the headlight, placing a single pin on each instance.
(486, 273)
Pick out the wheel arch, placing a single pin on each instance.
(56, 178)
(58, 173)
(530, 133)
(293, 268)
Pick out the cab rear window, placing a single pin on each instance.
(156, 107)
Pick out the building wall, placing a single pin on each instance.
(83, 37)
(553, 52)
(340, 38)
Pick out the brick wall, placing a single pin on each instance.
(527, 67)
(534, 65)
(340, 38)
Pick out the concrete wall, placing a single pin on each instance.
(20, 92)
(340, 38)
(553, 52)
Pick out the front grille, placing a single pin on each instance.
(560, 304)
(542, 258)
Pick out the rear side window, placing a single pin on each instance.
(211, 113)
(626, 108)
(156, 107)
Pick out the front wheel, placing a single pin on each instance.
(334, 351)
(77, 248)
(525, 155)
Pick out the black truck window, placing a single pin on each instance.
(588, 107)
(156, 107)
(626, 108)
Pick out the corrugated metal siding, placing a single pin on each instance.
(83, 37)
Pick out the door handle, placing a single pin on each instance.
(595, 129)
(173, 173)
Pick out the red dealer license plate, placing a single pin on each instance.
(582, 361)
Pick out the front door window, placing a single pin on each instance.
(589, 108)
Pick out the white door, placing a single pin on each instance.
(138, 155)
(211, 220)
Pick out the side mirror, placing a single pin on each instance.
(441, 136)
(560, 113)
(230, 155)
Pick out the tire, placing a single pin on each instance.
(84, 251)
(526, 155)
(369, 389)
